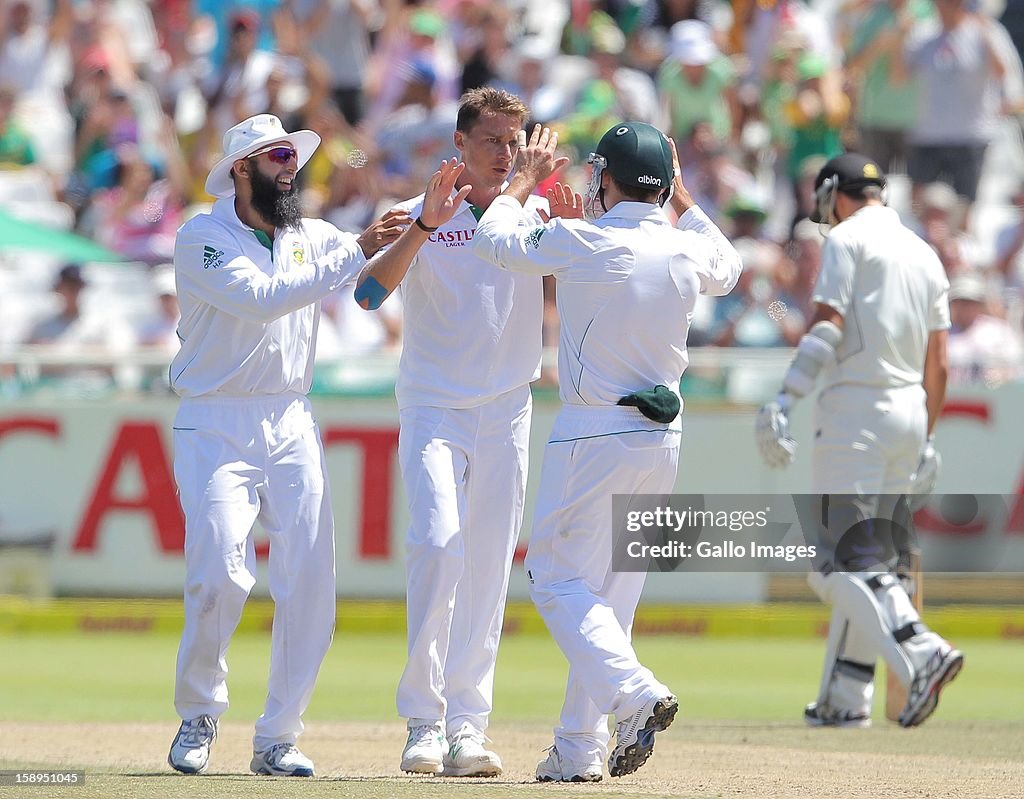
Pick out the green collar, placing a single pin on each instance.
(477, 212)
(264, 239)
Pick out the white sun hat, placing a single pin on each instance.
(251, 135)
(693, 43)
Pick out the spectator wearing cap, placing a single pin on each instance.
(940, 212)
(697, 83)
(77, 330)
(160, 331)
(747, 212)
(413, 138)
(816, 113)
(982, 347)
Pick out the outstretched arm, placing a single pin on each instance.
(386, 271)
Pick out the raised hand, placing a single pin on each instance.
(681, 199)
(439, 205)
(536, 161)
(563, 202)
(384, 231)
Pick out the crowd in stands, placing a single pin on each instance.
(113, 110)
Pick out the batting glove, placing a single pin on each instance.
(928, 467)
(771, 432)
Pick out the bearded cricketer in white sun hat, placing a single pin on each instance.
(250, 276)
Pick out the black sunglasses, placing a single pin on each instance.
(278, 154)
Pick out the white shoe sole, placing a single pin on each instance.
(258, 766)
(627, 759)
(484, 768)
(422, 766)
(856, 724)
(186, 769)
(951, 666)
(573, 778)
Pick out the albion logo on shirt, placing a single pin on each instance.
(452, 238)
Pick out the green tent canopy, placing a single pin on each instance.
(18, 234)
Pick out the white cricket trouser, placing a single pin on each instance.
(867, 442)
(588, 607)
(237, 460)
(465, 480)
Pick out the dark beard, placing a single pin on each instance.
(281, 209)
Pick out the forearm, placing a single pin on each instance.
(502, 241)
(936, 372)
(816, 348)
(245, 292)
(935, 393)
(681, 200)
(520, 187)
(383, 274)
(721, 273)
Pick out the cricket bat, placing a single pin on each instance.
(895, 692)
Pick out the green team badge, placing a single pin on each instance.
(212, 258)
(533, 239)
(298, 254)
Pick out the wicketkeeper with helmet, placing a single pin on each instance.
(878, 344)
(627, 280)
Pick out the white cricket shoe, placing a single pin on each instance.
(634, 736)
(281, 760)
(937, 671)
(425, 750)
(468, 756)
(190, 750)
(818, 715)
(557, 769)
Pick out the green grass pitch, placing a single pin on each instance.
(111, 677)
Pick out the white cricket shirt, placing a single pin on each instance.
(627, 284)
(471, 332)
(892, 291)
(249, 315)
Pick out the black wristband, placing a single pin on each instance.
(424, 228)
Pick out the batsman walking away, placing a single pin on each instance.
(877, 345)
